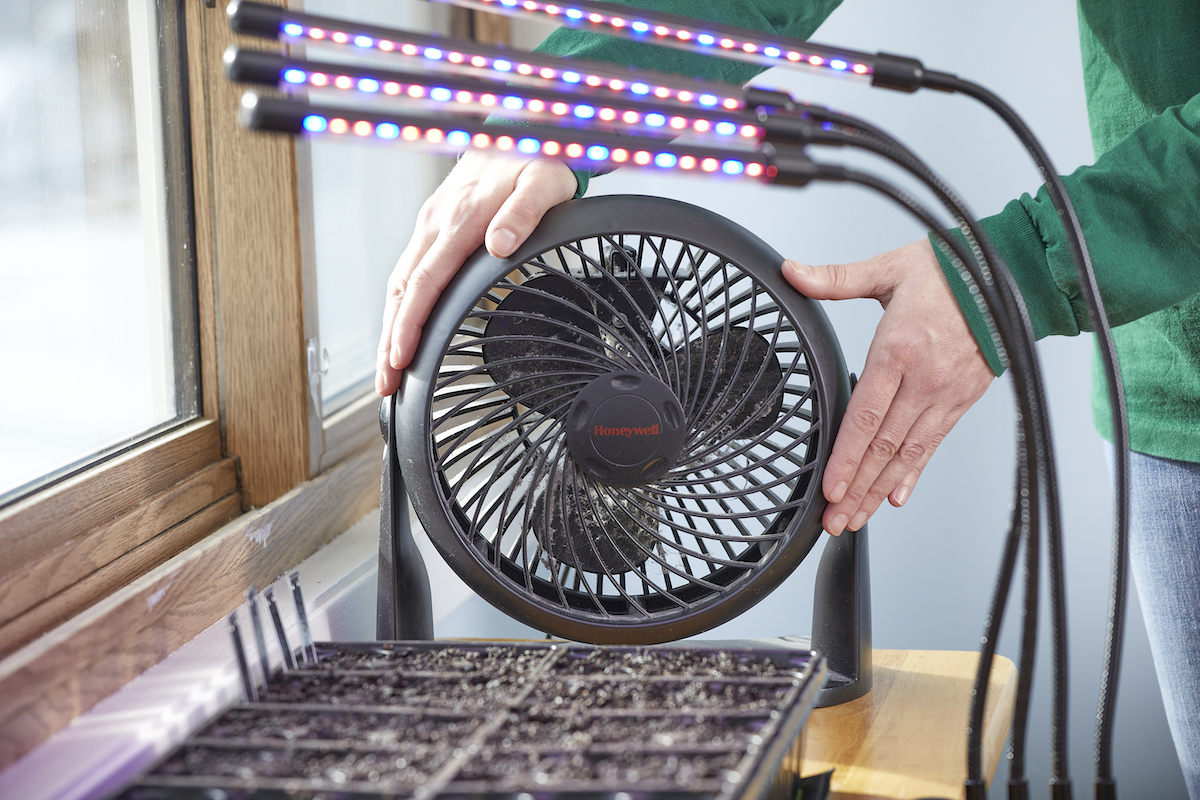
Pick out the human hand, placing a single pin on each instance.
(497, 200)
(923, 371)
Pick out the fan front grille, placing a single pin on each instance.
(652, 304)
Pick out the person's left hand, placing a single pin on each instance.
(923, 371)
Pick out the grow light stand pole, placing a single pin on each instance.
(404, 607)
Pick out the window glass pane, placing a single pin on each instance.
(365, 200)
(96, 302)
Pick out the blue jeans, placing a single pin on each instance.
(1165, 559)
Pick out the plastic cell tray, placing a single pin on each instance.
(503, 721)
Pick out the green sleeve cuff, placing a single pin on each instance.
(1018, 241)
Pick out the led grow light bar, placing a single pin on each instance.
(468, 95)
(466, 57)
(686, 33)
(579, 148)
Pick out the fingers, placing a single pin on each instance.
(494, 198)
(923, 371)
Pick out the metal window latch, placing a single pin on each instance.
(318, 365)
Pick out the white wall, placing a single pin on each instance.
(934, 561)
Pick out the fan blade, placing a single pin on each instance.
(599, 533)
(536, 336)
(755, 400)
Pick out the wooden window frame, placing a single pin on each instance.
(110, 571)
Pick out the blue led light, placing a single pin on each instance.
(294, 76)
(292, 29)
(368, 85)
(597, 152)
(640, 27)
(529, 146)
(509, 3)
(501, 65)
(458, 138)
(666, 160)
(726, 128)
(364, 41)
(433, 53)
(387, 130)
(707, 100)
(315, 123)
(656, 120)
(571, 77)
(773, 52)
(837, 63)
(704, 38)
(513, 103)
(440, 94)
(574, 13)
(585, 112)
(639, 88)
(733, 167)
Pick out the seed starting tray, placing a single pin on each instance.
(452, 721)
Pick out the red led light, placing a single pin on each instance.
(861, 69)
(709, 165)
(559, 108)
(434, 135)
(340, 37)
(343, 82)
(607, 114)
(551, 148)
(481, 140)
(749, 47)
(410, 133)
(794, 56)
(593, 80)
(702, 125)
(687, 162)
(386, 46)
(685, 96)
(464, 97)
(455, 58)
(641, 157)
(536, 106)
(552, 10)
(504, 142)
(596, 18)
(620, 155)
(662, 92)
(530, 5)
(749, 131)
(662, 30)
(731, 103)
(548, 73)
(316, 33)
(617, 22)
(683, 36)
(754, 170)
(363, 128)
(409, 49)
(574, 150)
(416, 92)
(615, 85)
(338, 125)
(392, 88)
(816, 61)
(727, 43)
(487, 99)
(678, 123)
(525, 69)
(479, 61)
(318, 79)
(631, 117)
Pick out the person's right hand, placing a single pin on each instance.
(492, 200)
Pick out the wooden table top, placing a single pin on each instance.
(907, 737)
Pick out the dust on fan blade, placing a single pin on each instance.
(600, 533)
(536, 335)
(757, 406)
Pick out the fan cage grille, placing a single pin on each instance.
(734, 357)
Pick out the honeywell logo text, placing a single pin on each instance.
(649, 430)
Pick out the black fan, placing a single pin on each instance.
(617, 434)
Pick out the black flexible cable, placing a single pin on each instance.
(1025, 510)
(1043, 454)
(1094, 304)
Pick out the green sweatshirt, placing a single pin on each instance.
(1139, 204)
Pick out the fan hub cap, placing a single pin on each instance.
(625, 429)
